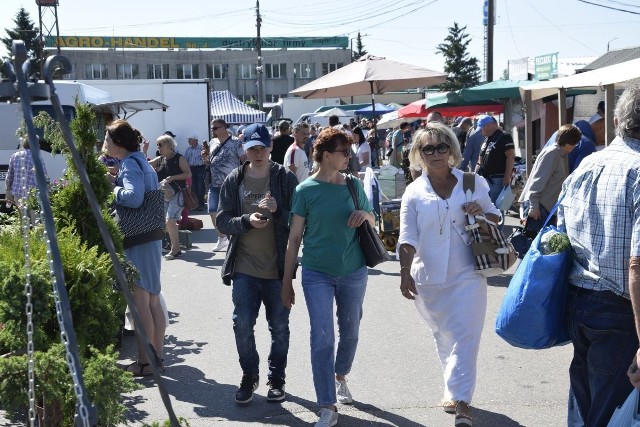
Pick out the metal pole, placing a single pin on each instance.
(562, 106)
(259, 50)
(490, 23)
(528, 130)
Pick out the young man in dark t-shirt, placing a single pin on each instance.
(281, 142)
(497, 156)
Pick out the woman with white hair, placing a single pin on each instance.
(437, 264)
(173, 170)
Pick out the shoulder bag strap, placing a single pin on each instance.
(217, 150)
(352, 190)
(469, 186)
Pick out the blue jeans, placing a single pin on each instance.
(248, 293)
(213, 198)
(197, 183)
(319, 292)
(602, 330)
(495, 186)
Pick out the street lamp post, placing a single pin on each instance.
(615, 38)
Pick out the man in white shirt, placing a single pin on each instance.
(295, 159)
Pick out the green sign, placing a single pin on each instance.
(99, 42)
(546, 66)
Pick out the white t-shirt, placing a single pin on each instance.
(361, 150)
(296, 156)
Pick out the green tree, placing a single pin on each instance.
(359, 52)
(463, 69)
(25, 29)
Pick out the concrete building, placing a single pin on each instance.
(231, 68)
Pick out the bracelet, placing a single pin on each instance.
(402, 268)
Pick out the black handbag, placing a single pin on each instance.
(148, 218)
(372, 247)
(147, 221)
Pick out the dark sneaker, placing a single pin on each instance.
(247, 387)
(276, 390)
(463, 415)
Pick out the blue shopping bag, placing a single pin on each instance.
(532, 312)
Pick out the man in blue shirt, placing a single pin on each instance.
(600, 211)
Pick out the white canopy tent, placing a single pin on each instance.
(606, 78)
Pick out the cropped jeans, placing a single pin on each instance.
(602, 330)
(249, 293)
(320, 290)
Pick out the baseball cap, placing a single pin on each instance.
(171, 134)
(255, 135)
(485, 120)
(193, 136)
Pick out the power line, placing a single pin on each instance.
(609, 7)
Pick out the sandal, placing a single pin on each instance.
(449, 406)
(171, 256)
(139, 369)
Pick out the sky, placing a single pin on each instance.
(402, 30)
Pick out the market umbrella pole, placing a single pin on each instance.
(375, 122)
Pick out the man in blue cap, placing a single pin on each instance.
(497, 156)
(255, 199)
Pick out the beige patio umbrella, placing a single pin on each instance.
(335, 111)
(370, 75)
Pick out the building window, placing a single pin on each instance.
(158, 71)
(302, 70)
(272, 98)
(275, 71)
(126, 71)
(247, 71)
(217, 71)
(187, 71)
(247, 98)
(328, 67)
(96, 71)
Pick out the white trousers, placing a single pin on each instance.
(456, 315)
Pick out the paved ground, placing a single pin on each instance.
(396, 379)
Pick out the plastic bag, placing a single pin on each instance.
(505, 199)
(627, 414)
(532, 311)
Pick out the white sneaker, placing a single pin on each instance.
(342, 392)
(328, 418)
(221, 244)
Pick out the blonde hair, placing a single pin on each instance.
(439, 133)
(168, 140)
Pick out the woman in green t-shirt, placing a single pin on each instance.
(333, 267)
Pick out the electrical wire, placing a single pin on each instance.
(609, 7)
(513, 38)
(559, 29)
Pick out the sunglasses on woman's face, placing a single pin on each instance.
(440, 148)
(346, 152)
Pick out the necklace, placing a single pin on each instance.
(446, 212)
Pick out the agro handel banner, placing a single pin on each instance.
(100, 42)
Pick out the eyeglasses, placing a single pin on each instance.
(346, 152)
(430, 149)
(215, 127)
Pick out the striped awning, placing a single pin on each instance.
(232, 110)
